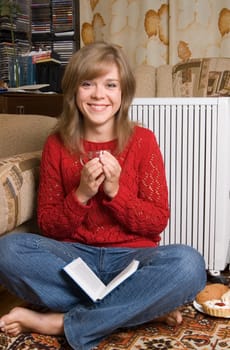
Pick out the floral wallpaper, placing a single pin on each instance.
(156, 32)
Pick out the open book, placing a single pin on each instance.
(81, 273)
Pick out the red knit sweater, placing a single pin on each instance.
(135, 217)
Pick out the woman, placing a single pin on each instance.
(102, 197)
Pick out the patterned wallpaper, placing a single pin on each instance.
(156, 32)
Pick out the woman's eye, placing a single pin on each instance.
(112, 85)
(86, 83)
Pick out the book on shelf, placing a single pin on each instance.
(42, 55)
(84, 276)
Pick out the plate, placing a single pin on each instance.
(199, 308)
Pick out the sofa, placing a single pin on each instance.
(197, 77)
(21, 141)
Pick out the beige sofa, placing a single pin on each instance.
(198, 77)
(21, 141)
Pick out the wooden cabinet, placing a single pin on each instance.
(31, 103)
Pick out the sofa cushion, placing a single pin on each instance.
(20, 133)
(18, 187)
(164, 81)
(145, 81)
(201, 77)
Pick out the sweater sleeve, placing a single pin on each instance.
(59, 212)
(146, 211)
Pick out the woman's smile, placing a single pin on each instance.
(98, 107)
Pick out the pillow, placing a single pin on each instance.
(164, 81)
(18, 188)
(145, 81)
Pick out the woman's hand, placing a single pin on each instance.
(92, 176)
(111, 171)
(103, 169)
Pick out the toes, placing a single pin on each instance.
(14, 333)
(13, 328)
(174, 318)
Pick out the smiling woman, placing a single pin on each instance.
(108, 209)
(113, 74)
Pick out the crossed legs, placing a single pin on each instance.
(36, 274)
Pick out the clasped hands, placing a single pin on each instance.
(103, 170)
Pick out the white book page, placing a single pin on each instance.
(85, 278)
(128, 271)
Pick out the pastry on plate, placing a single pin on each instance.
(215, 300)
(211, 291)
(216, 307)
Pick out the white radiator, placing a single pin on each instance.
(194, 138)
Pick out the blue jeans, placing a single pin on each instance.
(168, 276)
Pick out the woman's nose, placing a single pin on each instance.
(98, 91)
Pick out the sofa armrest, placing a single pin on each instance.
(21, 133)
(18, 189)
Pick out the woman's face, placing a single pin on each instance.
(99, 99)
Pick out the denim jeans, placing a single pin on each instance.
(168, 276)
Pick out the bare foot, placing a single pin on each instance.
(20, 320)
(173, 318)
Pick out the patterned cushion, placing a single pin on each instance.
(201, 77)
(18, 187)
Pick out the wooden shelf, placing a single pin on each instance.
(31, 103)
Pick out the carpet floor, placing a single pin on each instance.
(198, 331)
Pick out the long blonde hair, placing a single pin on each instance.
(88, 63)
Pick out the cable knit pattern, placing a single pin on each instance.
(134, 218)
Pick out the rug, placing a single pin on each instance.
(198, 331)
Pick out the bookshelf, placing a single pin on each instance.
(17, 24)
(51, 25)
